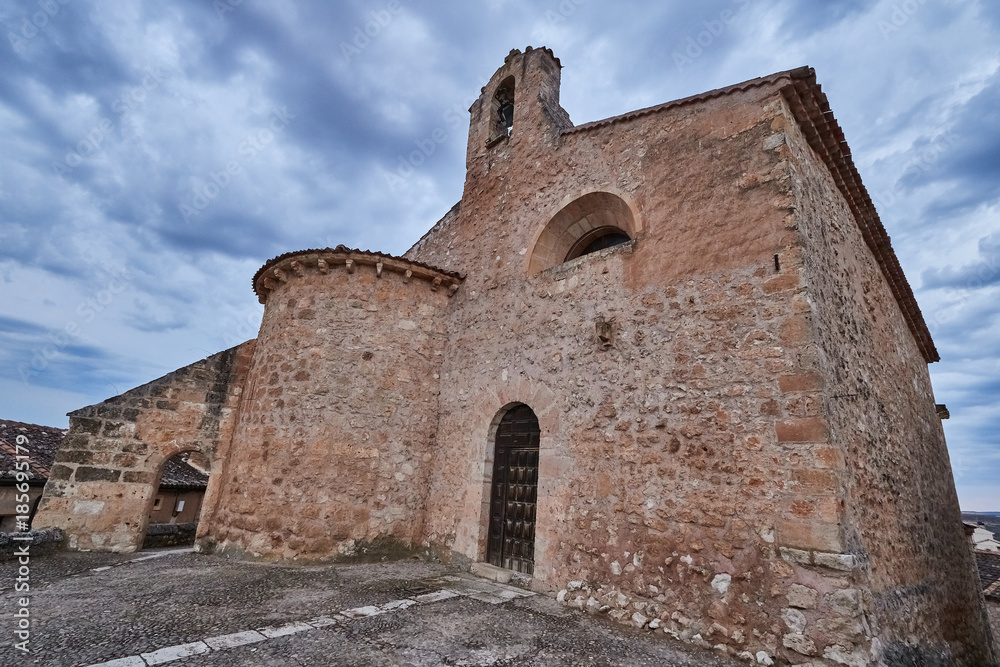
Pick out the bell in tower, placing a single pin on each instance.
(504, 102)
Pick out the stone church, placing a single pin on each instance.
(665, 364)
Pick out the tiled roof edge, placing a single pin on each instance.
(772, 79)
(826, 138)
(352, 251)
(38, 470)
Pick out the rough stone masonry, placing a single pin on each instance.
(725, 428)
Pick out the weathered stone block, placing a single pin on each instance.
(75, 440)
(112, 429)
(800, 382)
(808, 535)
(86, 425)
(799, 556)
(60, 472)
(794, 620)
(105, 411)
(800, 644)
(781, 283)
(834, 561)
(91, 474)
(138, 477)
(846, 602)
(802, 597)
(75, 456)
(796, 330)
(815, 481)
(810, 429)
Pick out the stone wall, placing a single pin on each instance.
(160, 535)
(902, 517)
(37, 542)
(101, 486)
(336, 433)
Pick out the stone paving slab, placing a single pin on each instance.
(183, 609)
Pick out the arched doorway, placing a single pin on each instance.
(514, 491)
(175, 508)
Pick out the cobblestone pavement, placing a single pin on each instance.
(183, 609)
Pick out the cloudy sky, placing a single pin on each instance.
(154, 155)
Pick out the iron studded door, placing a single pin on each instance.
(514, 491)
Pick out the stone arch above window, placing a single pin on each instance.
(589, 223)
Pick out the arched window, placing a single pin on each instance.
(503, 110)
(591, 223)
(598, 239)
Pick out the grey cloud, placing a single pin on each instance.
(983, 272)
(15, 325)
(969, 161)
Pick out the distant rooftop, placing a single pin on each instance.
(177, 474)
(989, 573)
(41, 447)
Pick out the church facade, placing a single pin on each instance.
(665, 364)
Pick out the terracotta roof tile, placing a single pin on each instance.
(43, 443)
(989, 573)
(812, 110)
(344, 249)
(179, 475)
(770, 80)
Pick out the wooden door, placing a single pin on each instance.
(514, 493)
